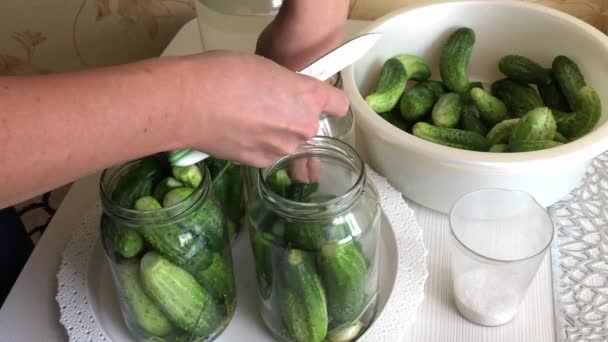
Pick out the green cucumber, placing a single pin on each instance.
(396, 120)
(161, 189)
(502, 131)
(518, 97)
(343, 270)
(189, 175)
(415, 67)
(179, 295)
(261, 244)
(228, 189)
(124, 240)
(470, 121)
(523, 69)
(279, 181)
(446, 112)
(391, 84)
(499, 148)
(552, 96)
(416, 103)
(491, 109)
(147, 315)
(527, 146)
(436, 87)
(466, 95)
(537, 124)
(174, 196)
(569, 78)
(454, 59)
(576, 124)
(139, 181)
(217, 279)
(452, 137)
(560, 138)
(303, 299)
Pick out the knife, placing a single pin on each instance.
(321, 69)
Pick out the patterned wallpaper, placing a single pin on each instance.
(45, 36)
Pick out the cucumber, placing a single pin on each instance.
(560, 138)
(161, 189)
(569, 78)
(415, 67)
(416, 103)
(174, 196)
(396, 120)
(552, 96)
(518, 98)
(454, 59)
(491, 109)
(576, 124)
(391, 84)
(312, 236)
(279, 181)
(466, 95)
(147, 203)
(124, 240)
(179, 295)
(303, 299)
(523, 69)
(469, 120)
(343, 270)
(537, 124)
(228, 190)
(147, 315)
(436, 87)
(499, 148)
(139, 181)
(446, 112)
(501, 132)
(526, 146)
(261, 244)
(217, 279)
(189, 175)
(301, 192)
(452, 137)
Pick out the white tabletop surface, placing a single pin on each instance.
(30, 312)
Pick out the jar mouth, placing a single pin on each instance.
(323, 206)
(166, 215)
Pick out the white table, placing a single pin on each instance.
(30, 313)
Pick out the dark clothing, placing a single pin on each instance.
(15, 249)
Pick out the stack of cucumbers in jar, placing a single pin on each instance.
(314, 277)
(532, 108)
(174, 278)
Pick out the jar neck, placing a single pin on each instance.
(169, 215)
(330, 155)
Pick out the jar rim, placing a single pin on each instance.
(165, 215)
(317, 146)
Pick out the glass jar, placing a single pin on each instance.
(171, 265)
(315, 243)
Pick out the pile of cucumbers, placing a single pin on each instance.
(313, 275)
(532, 108)
(174, 272)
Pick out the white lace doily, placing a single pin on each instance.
(390, 324)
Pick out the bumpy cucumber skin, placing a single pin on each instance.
(312, 236)
(499, 148)
(179, 295)
(518, 97)
(466, 95)
(454, 59)
(446, 112)
(523, 69)
(415, 67)
(527, 146)
(416, 103)
(452, 137)
(491, 109)
(576, 124)
(303, 298)
(139, 181)
(502, 131)
(393, 78)
(148, 316)
(470, 121)
(569, 78)
(537, 124)
(436, 87)
(552, 96)
(343, 270)
(217, 279)
(189, 175)
(176, 195)
(396, 120)
(125, 241)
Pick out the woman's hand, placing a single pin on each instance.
(251, 110)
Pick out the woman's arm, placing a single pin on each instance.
(303, 31)
(57, 128)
